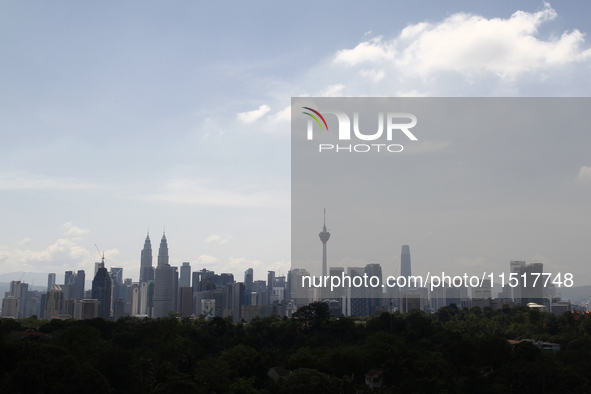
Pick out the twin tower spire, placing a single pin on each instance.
(146, 268)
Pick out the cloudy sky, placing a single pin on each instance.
(119, 117)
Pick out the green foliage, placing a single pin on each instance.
(452, 350)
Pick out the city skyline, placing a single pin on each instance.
(117, 118)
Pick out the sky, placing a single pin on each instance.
(119, 118)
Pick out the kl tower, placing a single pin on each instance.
(324, 236)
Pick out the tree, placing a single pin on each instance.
(314, 315)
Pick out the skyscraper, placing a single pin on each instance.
(198, 276)
(527, 277)
(185, 301)
(119, 290)
(164, 283)
(50, 281)
(233, 296)
(324, 237)
(54, 302)
(248, 279)
(68, 278)
(10, 307)
(185, 275)
(356, 302)
(101, 290)
(270, 284)
(374, 290)
(515, 268)
(163, 251)
(146, 269)
(405, 270)
(80, 283)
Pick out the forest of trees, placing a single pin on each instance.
(450, 351)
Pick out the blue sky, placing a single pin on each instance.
(119, 116)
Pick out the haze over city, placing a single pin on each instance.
(117, 119)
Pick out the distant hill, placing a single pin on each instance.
(580, 292)
(36, 279)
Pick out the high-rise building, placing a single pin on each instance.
(185, 280)
(234, 293)
(86, 309)
(146, 269)
(207, 284)
(260, 286)
(116, 275)
(101, 290)
(10, 307)
(339, 291)
(150, 303)
(163, 251)
(248, 280)
(300, 294)
(527, 277)
(54, 302)
(68, 278)
(80, 283)
(374, 289)
(222, 280)
(24, 300)
(198, 276)
(20, 291)
(164, 282)
(515, 268)
(144, 298)
(356, 300)
(15, 288)
(324, 237)
(175, 289)
(405, 270)
(118, 309)
(119, 290)
(483, 290)
(185, 301)
(270, 284)
(50, 281)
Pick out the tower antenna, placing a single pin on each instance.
(99, 252)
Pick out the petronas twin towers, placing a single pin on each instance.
(164, 276)
(146, 269)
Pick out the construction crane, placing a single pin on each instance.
(99, 252)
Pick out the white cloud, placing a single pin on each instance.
(373, 74)
(371, 51)
(472, 45)
(219, 239)
(206, 261)
(73, 230)
(63, 254)
(584, 174)
(282, 116)
(332, 91)
(251, 116)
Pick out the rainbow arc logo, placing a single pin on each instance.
(315, 118)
